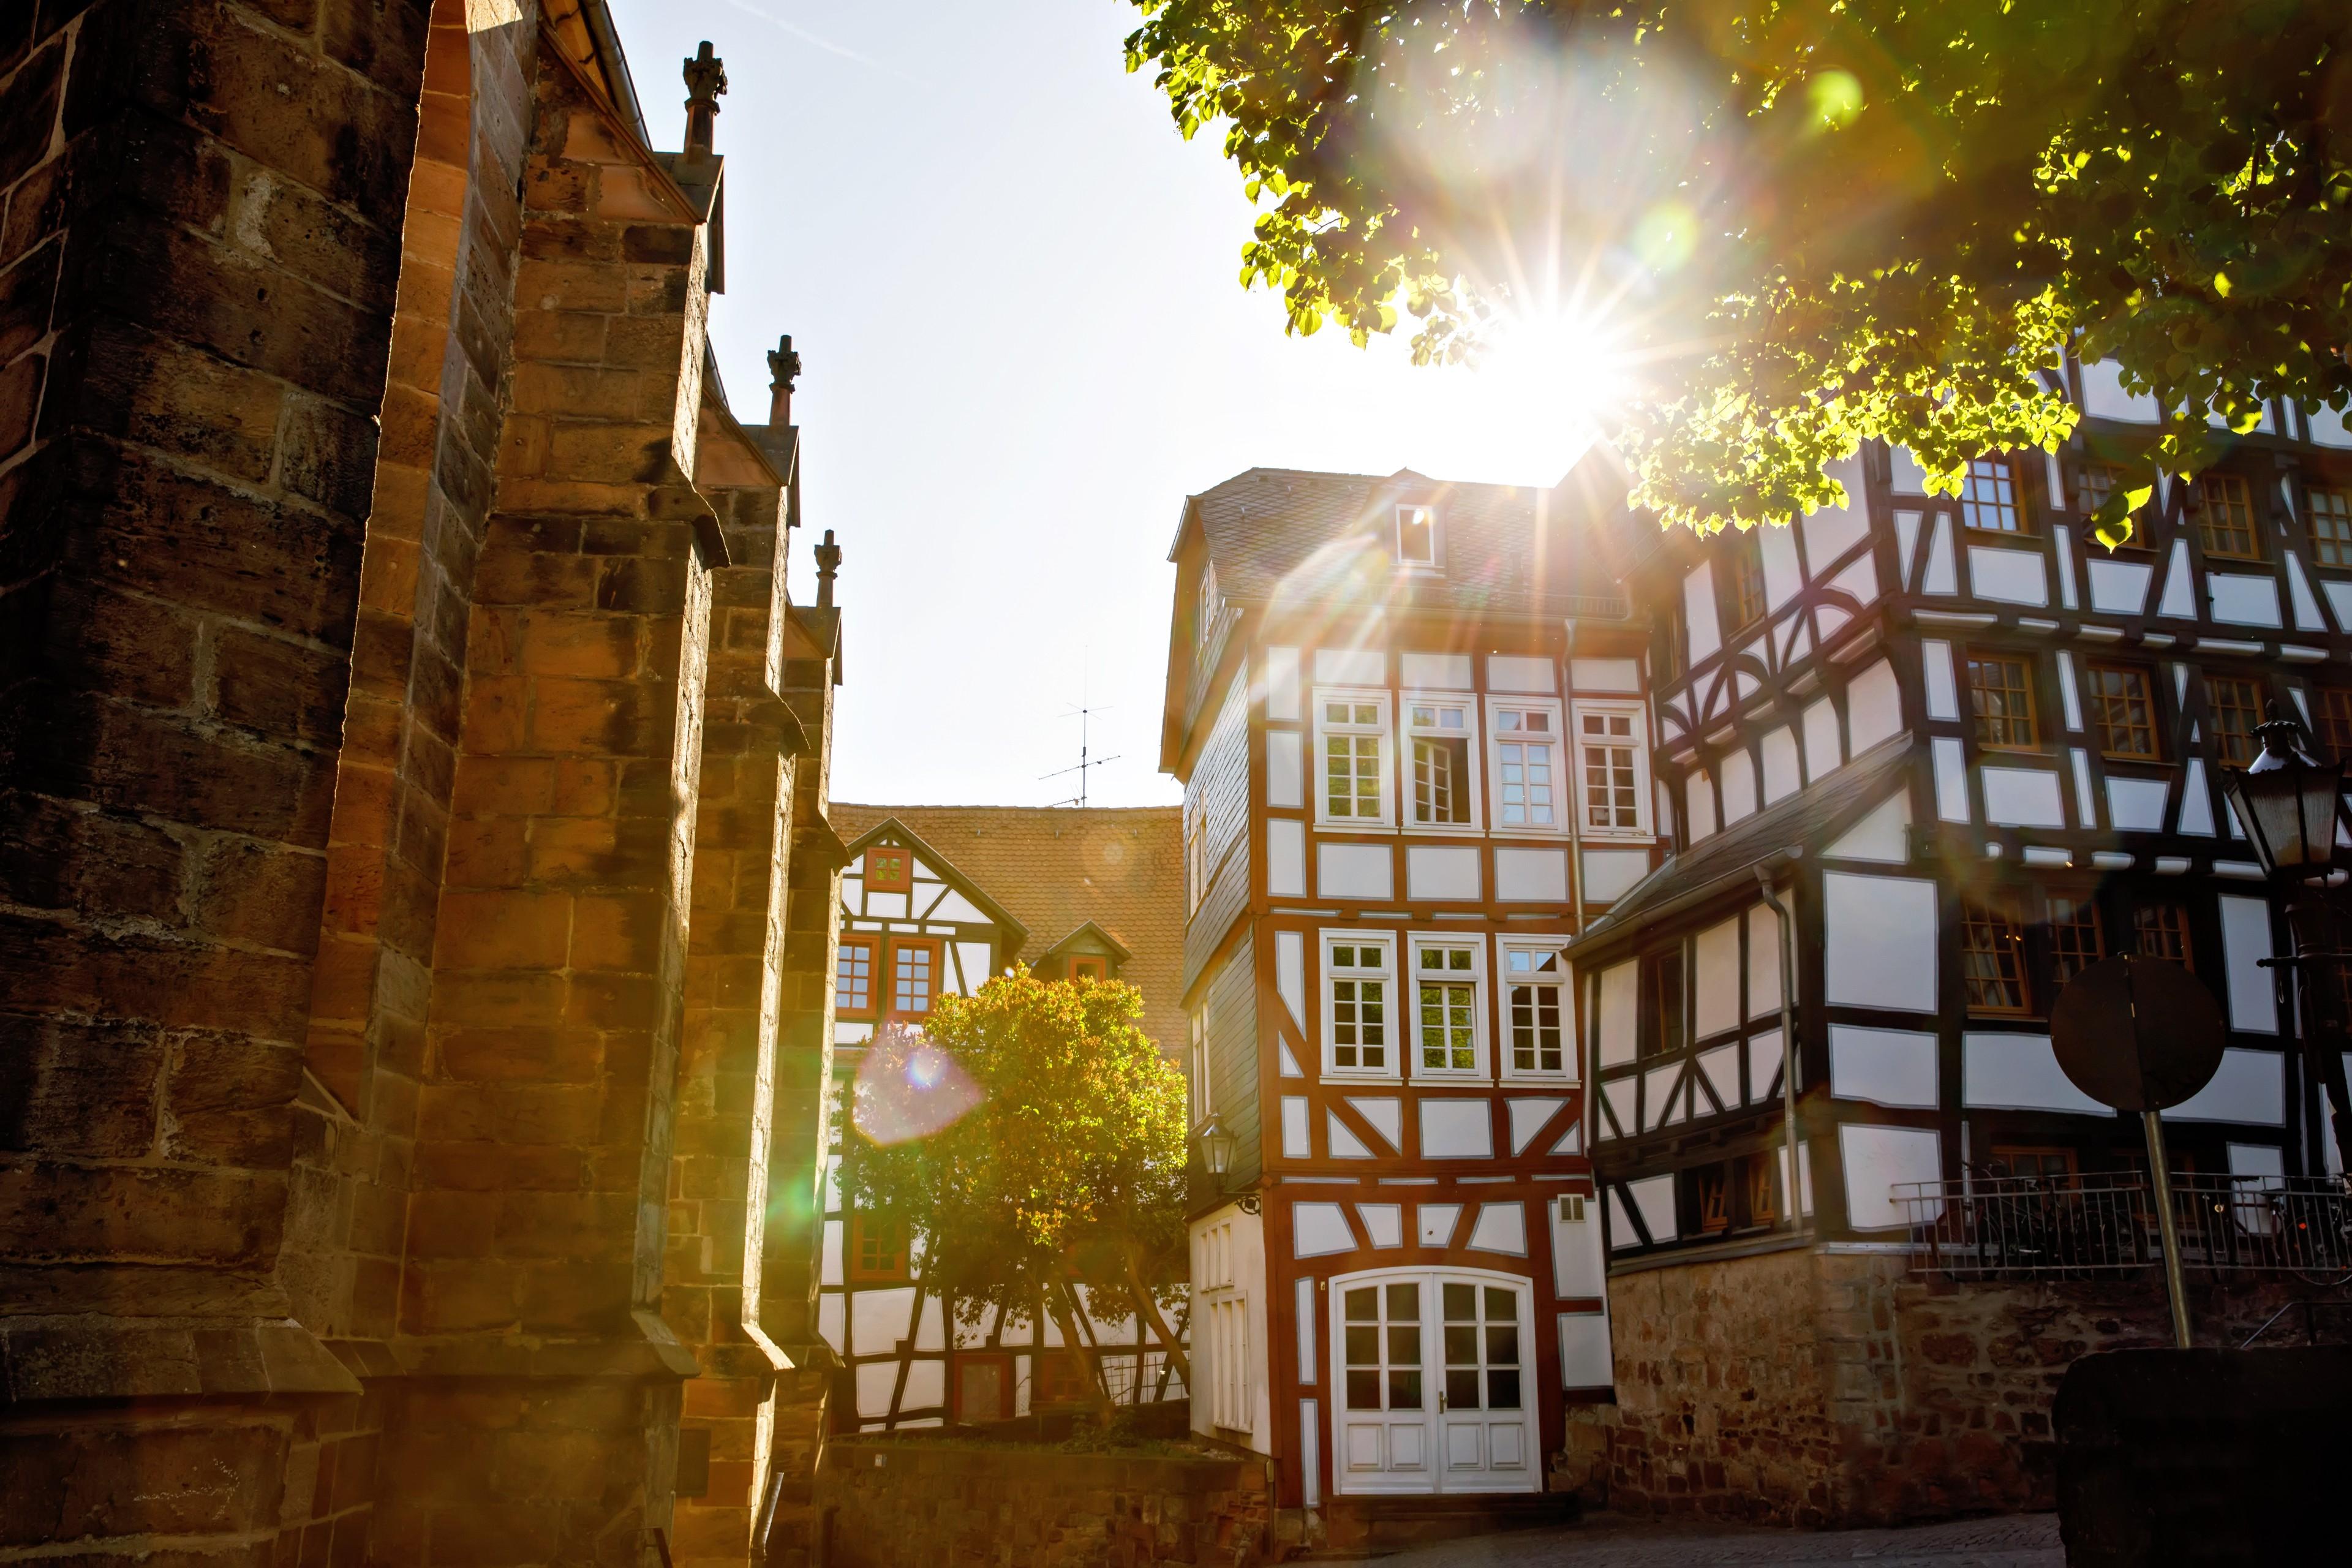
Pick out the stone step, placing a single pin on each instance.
(1355, 1528)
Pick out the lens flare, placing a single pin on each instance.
(1835, 97)
(907, 1087)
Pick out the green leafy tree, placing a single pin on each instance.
(1811, 221)
(1067, 1171)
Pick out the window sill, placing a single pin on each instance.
(1446, 829)
(1535, 1078)
(2016, 535)
(1427, 1078)
(1357, 1076)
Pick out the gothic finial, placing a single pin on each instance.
(828, 561)
(705, 79)
(783, 369)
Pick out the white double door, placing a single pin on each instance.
(1435, 1371)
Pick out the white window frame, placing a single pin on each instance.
(1398, 1040)
(1199, 1063)
(1640, 745)
(1563, 770)
(1380, 697)
(1206, 605)
(1408, 510)
(1196, 853)
(1472, 759)
(1481, 1003)
(1565, 979)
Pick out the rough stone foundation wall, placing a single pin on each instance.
(922, 1506)
(1822, 1389)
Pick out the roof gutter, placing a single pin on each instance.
(599, 19)
(1745, 874)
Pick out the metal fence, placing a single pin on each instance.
(2107, 1225)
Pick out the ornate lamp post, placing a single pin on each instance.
(2289, 806)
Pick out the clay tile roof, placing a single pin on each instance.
(1054, 868)
(1295, 535)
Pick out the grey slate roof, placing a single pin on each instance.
(1292, 535)
(1808, 820)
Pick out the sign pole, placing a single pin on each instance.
(2168, 1227)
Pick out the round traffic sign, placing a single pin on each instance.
(2138, 1034)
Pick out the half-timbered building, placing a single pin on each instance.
(934, 902)
(1409, 720)
(1922, 759)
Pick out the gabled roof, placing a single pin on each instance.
(1806, 822)
(1016, 934)
(1312, 538)
(1100, 936)
(1055, 868)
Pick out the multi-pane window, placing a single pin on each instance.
(2076, 943)
(914, 978)
(2001, 690)
(1524, 763)
(1714, 1198)
(2161, 931)
(2225, 517)
(1532, 981)
(1382, 1346)
(2331, 705)
(1482, 1351)
(1763, 1189)
(1357, 975)
(1417, 535)
(1609, 745)
(1089, 969)
(1743, 594)
(1204, 607)
(1993, 958)
(1353, 734)
(887, 872)
(1445, 1002)
(2237, 708)
(2093, 483)
(1662, 1029)
(853, 977)
(1439, 733)
(2122, 712)
(877, 1249)
(2331, 527)
(1988, 495)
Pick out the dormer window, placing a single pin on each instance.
(1417, 536)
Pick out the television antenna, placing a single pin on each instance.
(1084, 713)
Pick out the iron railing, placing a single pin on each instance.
(2106, 1223)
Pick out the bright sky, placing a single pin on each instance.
(1015, 288)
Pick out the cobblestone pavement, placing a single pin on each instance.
(2023, 1540)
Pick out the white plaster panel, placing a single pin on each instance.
(1343, 1144)
(1531, 876)
(1584, 1356)
(1456, 1130)
(2061, 538)
(2257, 1160)
(1943, 690)
(1516, 672)
(2103, 397)
(1860, 580)
(1654, 1198)
(1386, 1116)
(2249, 1089)
(2119, 587)
(2023, 797)
(2177, 600)
(1620, 1095)
(1500, 1227)
(1884, 1066)
(1354, 871)
(1879, 945)
(1383, 1224)
(1738, 786)
(1319, 1230)
(829, 1269)
(829, 1320)
(973, 959)
(954, 906)
(1763, 960)
(930, 1333)
(1290, 973)
(1942, 576)
(877, 1381)
(1295, 1144)
(1577, 1268)
(1620, 987)
(1909, 477)
(2328, 428)
(1286, 1064)
(1527, 1118)
(1782, 579)
(2067, 693)
(2009, 576)
(2245, 941)
(1286, 771)
(1698, 803)
(2339, 599)
(1721, 1069)
(1877, 1159)
(1282, 683)
(1835, 530)
(1951, 779)
(2137, 806)
(2086, 812)
(1698, 612)
(2307, 605)
(1660, 1103)
(1821, 757)
(878, 1320)
(1763, 1062)
(1782, 777)
(1434, 1224)
(1609, 873)
(1350, 666)
(1874, 708)
(2018, 1072)
(1286, 858)
(1604, 674)
(1716, 973)
(2196, 800)
(885, 906)
(1441, 871)
(1882, 835)
(2242, 599)
(1436, 671)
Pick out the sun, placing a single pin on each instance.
(1540, 393)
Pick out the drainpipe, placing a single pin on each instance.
(1787, 1041)
(1572, 798)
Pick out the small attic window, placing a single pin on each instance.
(1417, 536)
(887, 872)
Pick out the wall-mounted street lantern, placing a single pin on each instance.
(2289, 805)
(1216, 1149)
